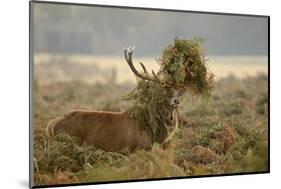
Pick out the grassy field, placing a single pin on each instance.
(91, 69)
(227, 133)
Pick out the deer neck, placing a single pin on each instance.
(152, 111)
(166, 122)
(160, 121)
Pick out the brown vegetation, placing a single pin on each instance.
(226, 133)
(237, 135)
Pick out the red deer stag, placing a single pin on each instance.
(119, 131)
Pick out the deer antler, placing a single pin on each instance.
(128, 52)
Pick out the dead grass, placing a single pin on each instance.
(227, 134)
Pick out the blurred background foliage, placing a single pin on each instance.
(69, 29)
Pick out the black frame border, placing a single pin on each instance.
(31, 154)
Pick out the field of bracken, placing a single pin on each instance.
(227, 133)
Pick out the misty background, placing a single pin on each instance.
(68, 29)
(72, 42)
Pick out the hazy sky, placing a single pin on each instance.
(98, 30)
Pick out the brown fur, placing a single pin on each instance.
(118, 131)
(110, 131)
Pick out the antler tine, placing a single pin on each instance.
(155, 76)
(131, 49)
(146, 73)
(143, 67)
(128, 52)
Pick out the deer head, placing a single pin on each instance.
(173, 95)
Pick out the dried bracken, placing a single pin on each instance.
(227, 137)
(183, 64)
(183, 68)
(235, 117)
(201, 154)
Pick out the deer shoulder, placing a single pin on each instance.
(118, 131)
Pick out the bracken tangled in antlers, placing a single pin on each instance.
(153, 115)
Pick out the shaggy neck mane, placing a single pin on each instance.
(151, 109)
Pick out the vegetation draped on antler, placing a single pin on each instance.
(183, 64)
(182, 67)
